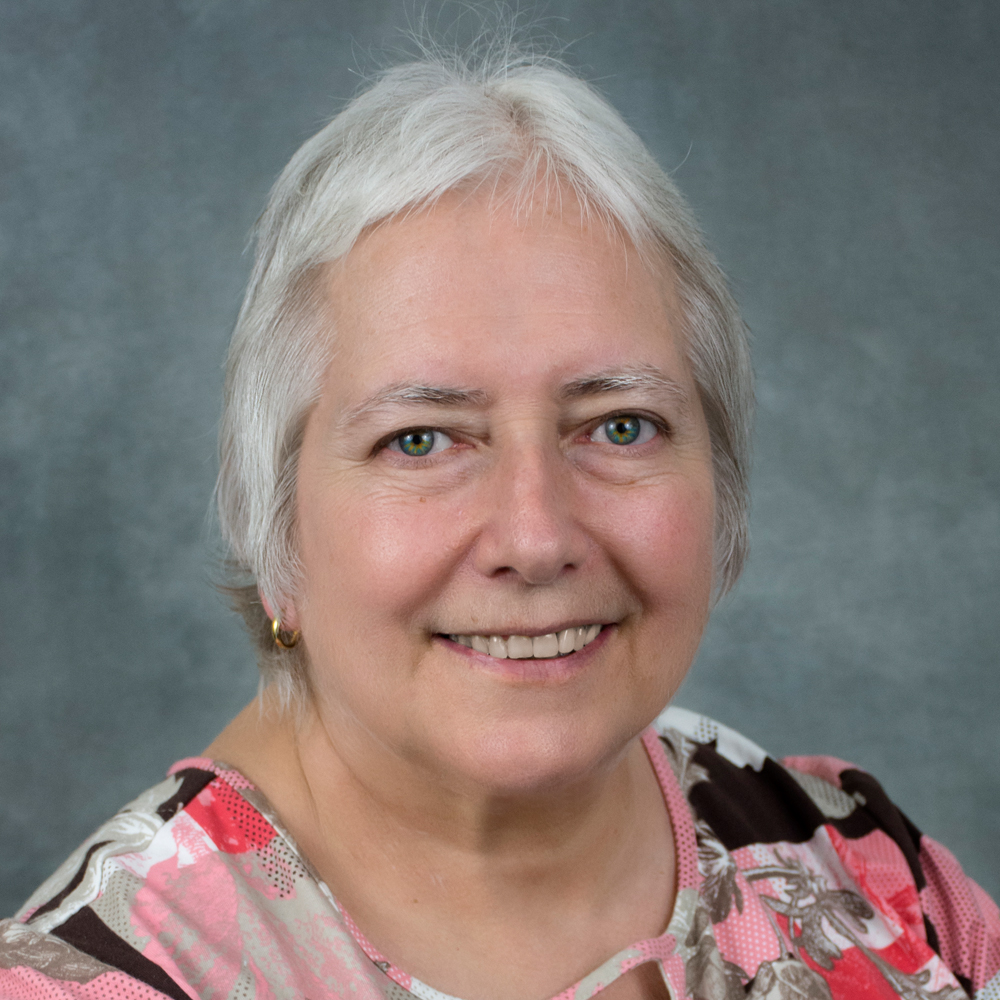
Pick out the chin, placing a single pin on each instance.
(513, 757)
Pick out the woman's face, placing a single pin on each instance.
(508, 443)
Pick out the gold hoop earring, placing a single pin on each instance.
(283, 640)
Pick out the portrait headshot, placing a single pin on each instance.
(500, 503)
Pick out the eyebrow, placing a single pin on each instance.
(628, 379)
(415, 395)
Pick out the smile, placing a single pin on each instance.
(525, 647)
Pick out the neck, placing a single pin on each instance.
(417, 858)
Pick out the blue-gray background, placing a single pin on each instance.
(843, 158)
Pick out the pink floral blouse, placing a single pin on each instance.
(796, 879)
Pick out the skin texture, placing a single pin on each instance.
(460, 806)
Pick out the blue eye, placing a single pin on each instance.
(416, 443)
(624, 429)
(421, 442)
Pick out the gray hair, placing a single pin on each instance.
(422, 129)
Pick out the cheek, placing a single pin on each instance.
(375, 557)
(663, 537)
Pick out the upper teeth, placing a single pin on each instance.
(523, 647)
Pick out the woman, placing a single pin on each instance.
(484, 460)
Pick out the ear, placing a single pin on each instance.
(289, 615)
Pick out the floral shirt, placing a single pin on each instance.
(796, 879)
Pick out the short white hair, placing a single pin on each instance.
(510, 119)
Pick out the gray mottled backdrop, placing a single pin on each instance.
(843, 158)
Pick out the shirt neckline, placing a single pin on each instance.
(659, 948)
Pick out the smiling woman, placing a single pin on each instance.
(484, 468)
(486, 497)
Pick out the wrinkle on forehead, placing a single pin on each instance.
(377, 285)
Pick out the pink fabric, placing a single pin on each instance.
(827, 768)
(681, 823)
(966, 919)
(218, 899)
(28, 984)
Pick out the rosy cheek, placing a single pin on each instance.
(378, 556)
(664, 535)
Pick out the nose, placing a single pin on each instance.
(532, 528)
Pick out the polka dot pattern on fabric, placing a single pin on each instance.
(991, 991)
(282, 866)
(29, 984)
(115, 904)
(231, 908)
(966, 920)
(832, 802)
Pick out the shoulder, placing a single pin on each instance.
(192, 889)
(749, 797)
(757, 806)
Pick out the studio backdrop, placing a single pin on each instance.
(843, 160)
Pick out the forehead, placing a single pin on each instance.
(471, 283)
